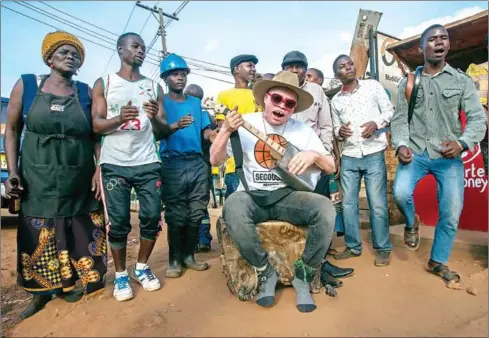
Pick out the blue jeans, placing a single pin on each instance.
(232, 181)
(449, 175)
(372, 168)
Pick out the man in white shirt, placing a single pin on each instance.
(263, 195)
(360, 109)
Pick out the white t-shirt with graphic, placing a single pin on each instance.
(133, 143)
(257, 164)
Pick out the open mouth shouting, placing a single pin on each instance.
(278, 113)
(439, 52)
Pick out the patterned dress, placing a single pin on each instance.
(61, 237)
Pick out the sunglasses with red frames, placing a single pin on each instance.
(277, 99)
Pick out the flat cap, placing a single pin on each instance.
(242, 58)
(294, 57)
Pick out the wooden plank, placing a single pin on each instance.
(391, 161)
(391, 153)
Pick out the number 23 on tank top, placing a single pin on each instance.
(134, 124)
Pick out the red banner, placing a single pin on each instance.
(475, 212)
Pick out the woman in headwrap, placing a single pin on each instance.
(61, 234)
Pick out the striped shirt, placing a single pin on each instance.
(436, 116)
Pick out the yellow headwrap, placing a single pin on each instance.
(54, 40)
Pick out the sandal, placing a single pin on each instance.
(444, 272)
(412, 239)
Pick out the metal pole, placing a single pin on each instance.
(371, 53)
(163, 33)
(154, 10)
(377, 71)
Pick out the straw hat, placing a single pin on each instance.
(283, 79)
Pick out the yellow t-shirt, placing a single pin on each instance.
(244, 99)
(215, 170)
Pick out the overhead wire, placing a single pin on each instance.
(71, 16)
(52, 16)
(147, 19)
(149, 58)
(127, 23)
(179, 9)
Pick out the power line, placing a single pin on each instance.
(127, 23)
(71, 16)
(147, 19)
(179, 9)
(149, 59)
(47, 24)
(51, 16)
(212, 78)
(84, 30)
(98, 44)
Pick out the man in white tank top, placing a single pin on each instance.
(128, 110)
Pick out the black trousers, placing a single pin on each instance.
(185, 190)
(118, 182)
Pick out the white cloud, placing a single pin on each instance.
(411, 31)
(211, 45)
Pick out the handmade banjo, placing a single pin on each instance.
(282, 154)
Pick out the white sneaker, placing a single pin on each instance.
(146, 278)
(122, 289)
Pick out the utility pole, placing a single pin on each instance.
(162, 30)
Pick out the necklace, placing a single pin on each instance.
(265, 126)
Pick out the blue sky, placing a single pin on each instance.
(215, 31)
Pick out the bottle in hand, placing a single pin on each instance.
(14, 203)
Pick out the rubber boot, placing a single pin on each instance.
(37, 304)
(191, 241)
(175, 254)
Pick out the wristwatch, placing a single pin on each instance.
(464, 145)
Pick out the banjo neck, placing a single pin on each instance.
(264, 137)
(277, 150)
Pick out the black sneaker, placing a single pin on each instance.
(382, 258)
(347, 253)
(203, 248)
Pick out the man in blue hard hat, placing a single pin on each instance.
(318, 117)
(185, 189)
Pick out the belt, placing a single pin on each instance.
(182, 157)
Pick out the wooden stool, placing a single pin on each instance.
(284, 244)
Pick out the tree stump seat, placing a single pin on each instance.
(284, 243)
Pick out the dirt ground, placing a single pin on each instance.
(399, 300)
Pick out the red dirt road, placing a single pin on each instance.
(399, 300)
